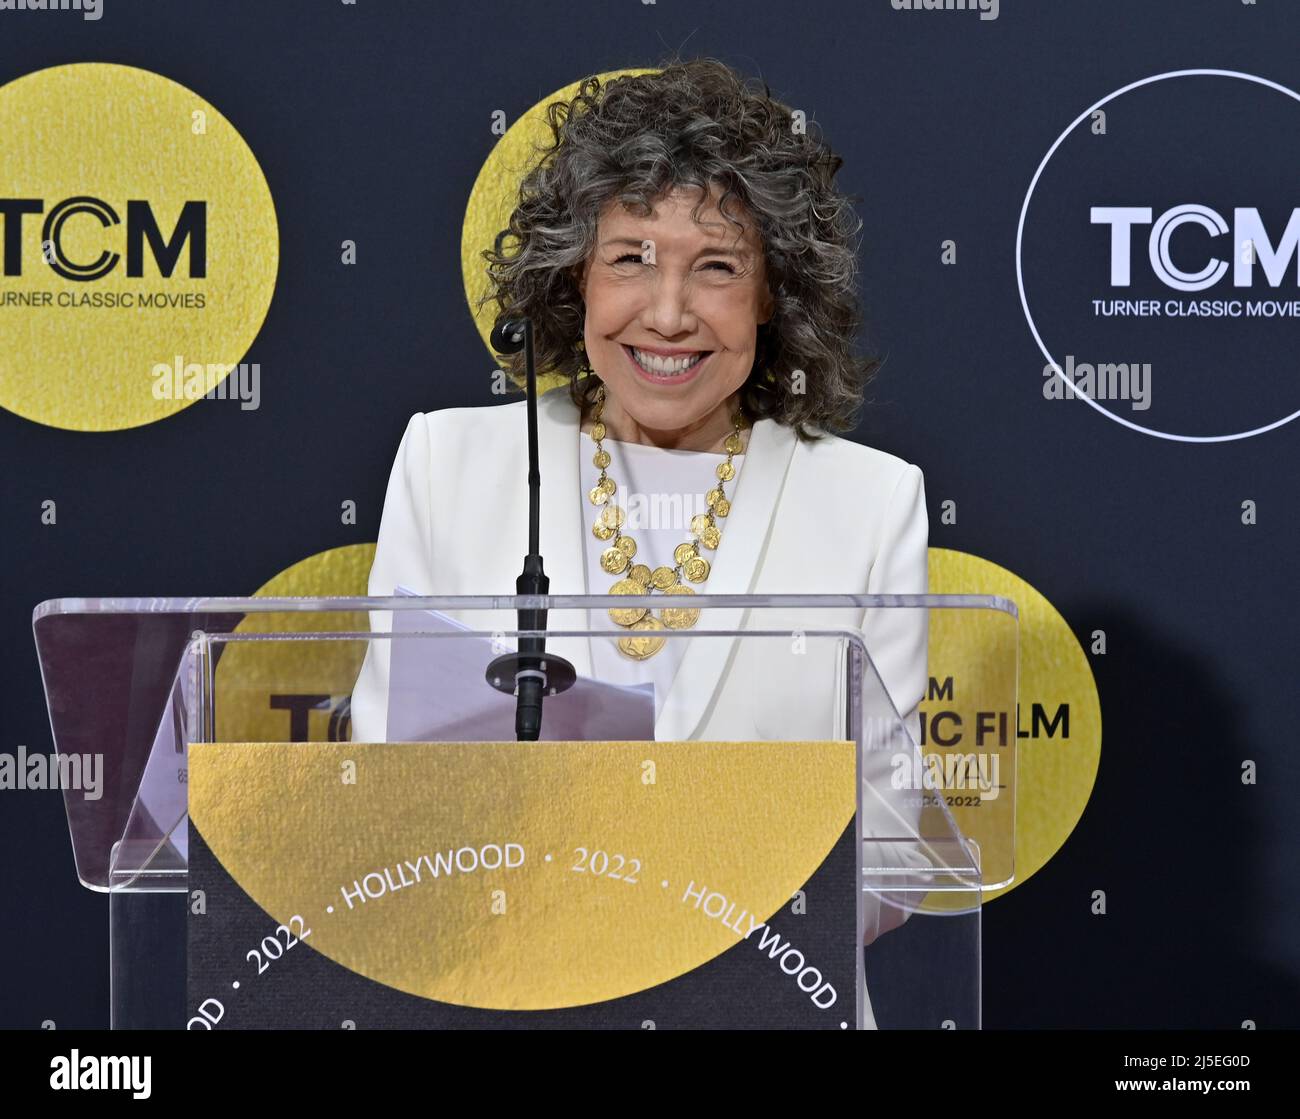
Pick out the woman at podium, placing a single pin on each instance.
(687, 264)
(688, 268)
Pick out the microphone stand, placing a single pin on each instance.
(530, 673)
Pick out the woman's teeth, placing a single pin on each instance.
(665, 366)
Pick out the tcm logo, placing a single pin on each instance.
(1250, 245)
(142, 228)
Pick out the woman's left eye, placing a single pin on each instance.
(720, 263)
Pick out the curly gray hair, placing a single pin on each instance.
(695, 123)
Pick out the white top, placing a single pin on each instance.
(660, 491)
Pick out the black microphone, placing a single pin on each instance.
(531, 673)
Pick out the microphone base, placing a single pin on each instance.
(558, 674)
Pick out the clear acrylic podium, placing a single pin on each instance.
(315, 815)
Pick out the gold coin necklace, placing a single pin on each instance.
(639, 579)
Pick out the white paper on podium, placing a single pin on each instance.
(424, 674)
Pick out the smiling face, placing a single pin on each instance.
(672, 314)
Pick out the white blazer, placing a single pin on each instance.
(829, 516)
(832, 516)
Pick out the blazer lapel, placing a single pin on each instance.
(561, 528)
(735, 564)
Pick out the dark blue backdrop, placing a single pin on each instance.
(370, 123)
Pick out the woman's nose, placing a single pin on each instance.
(669, 309)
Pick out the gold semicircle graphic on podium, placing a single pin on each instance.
(415, 855)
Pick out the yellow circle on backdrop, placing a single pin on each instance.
(342, 572)
(494, 196)
(140, 242)
(249, 673)
(1055, 770)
